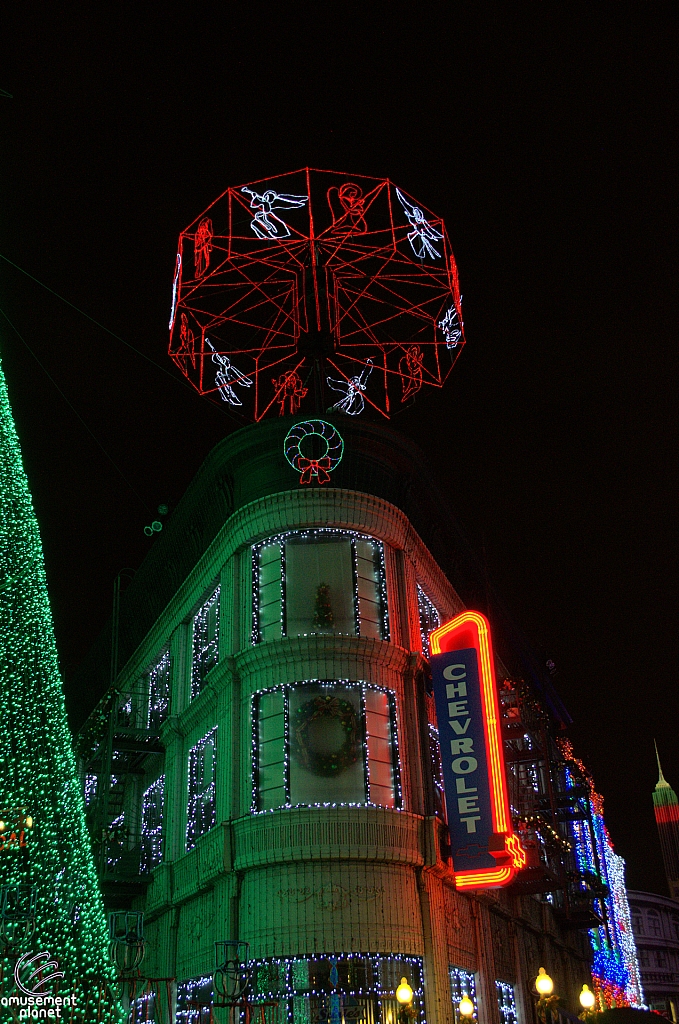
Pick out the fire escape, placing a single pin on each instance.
(119, 748)
(547, 795)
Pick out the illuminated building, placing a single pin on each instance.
(615, 971)
(666, 807)
(255, 814)
(265, 765)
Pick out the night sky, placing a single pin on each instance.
(544, 134)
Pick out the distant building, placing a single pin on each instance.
(666, 808)
(655, 923)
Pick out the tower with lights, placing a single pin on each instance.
(666, 808)
(263, 778)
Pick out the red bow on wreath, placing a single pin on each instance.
(314, 467)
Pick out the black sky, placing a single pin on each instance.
(544, 134)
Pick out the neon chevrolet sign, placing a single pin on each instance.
(486, 852)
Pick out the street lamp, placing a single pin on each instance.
(404, 995)
(587, 998)
(466, 1008)
(231, 975)
(548, 1001)
(544, 983)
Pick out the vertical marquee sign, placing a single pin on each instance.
(485, 850)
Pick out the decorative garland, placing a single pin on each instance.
(328, 765)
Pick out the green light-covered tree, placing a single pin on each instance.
(43, 838)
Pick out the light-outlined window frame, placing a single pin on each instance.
(429, 618)
(199, 671)
(193, 798)
(285, 689)
(329, 533)
(152, 838)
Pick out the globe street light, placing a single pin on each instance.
(466, 1008)
(404, 993)
(544, 983)
(587, 998)
(545, 988)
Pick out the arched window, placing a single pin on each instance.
(324, 742)
(653, 924)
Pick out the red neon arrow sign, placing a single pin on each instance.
(471, 630)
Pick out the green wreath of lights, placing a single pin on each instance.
(327, 765)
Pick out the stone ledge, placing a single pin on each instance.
(342, 833)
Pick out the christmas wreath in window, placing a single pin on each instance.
(326, 735)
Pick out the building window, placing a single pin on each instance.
(661, 958)
(319, 581)
(462, 983)
(152, 825)
(637, 923)
(675, 926)
(429, 619)
(158, 677)
(325, 742)
(506, 1002)
(347, 987)
(201, 814)
(192, 995)
(437, 771)
(205, 643)
(653, 923)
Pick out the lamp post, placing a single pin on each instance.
(231, 975)
(547, 1001)
(404, 996)
(127, 945)
(466, 1009)
(587, 1002)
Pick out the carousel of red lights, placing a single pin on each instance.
(312, 290)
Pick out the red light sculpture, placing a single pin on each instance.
(315, 289)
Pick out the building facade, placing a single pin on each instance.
(264, 765)
(655, 922)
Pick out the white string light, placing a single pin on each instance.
(281, 538)
(285, 690)
(201, 811)
(205, 644)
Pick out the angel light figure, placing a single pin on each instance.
(410, 366)
(202, 246)
(450, 325)
(352, 403)
(187, 343)
(226, 375)
(423, 233)
(266, 224)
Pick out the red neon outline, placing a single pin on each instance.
(472, 629)
(257, 297)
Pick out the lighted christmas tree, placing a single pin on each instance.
(43, 839)
(323, 616)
